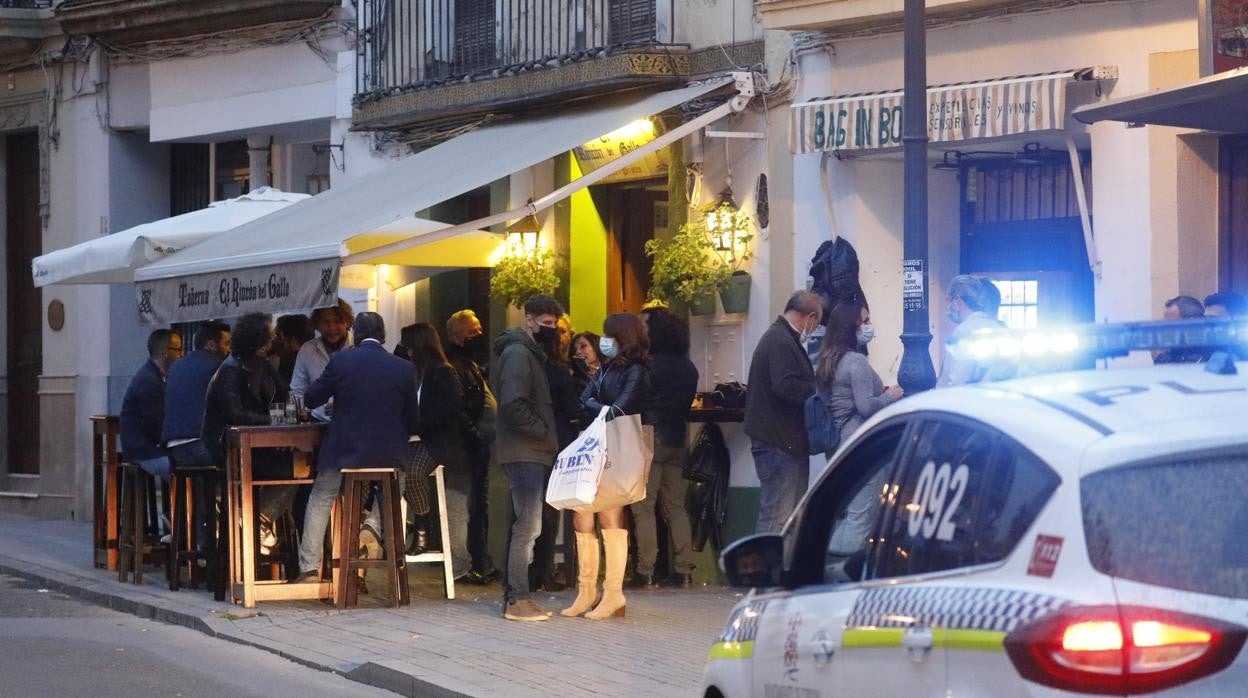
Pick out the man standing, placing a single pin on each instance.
(781, 378)
(526, 443)
(143, 407)
(375, 410)
(969, 306)
(313, 356)
(465, 340)
(1176, 309)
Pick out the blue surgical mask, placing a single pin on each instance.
(866, 333)
(607, 347)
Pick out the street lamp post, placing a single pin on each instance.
(915, 373)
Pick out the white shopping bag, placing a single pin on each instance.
(574, 480)
(629, 452)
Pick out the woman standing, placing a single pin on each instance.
(841, 370)
(622, 384)
(585, 358)
(440, 430)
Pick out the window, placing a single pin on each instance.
(837, 520)
(1177, 523)
(966, 497)
(1020, 304)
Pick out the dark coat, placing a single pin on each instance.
(239, 395)
(441, 420)
(781, 378)
(566, 401)
(143, 414)
(625, 388)
(186, 393)
(675, 381)
(375, 408)
(526, 419)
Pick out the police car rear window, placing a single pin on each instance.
(1181, 524)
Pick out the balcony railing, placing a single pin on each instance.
(409, 44)
(25, 4)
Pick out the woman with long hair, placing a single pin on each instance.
(440, 431)
(585, 358)
(622, 385)
(842, 371)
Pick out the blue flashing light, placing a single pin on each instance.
(1103, 341)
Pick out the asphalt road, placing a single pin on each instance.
(52, 645)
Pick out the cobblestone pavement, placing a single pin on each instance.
(432, 647)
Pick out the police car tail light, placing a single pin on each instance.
(1122, 650)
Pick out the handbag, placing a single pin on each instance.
(731, 395)
(626, 468)
(822, 430)
(574, 478)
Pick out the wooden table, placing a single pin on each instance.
(240, 491)
(105, 474)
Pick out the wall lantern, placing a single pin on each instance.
(726, 224)
(522, 235)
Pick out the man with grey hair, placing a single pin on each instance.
(967, 304)
(780, 380)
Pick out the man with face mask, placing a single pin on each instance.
(526, 442)
(781, 378)
(969, 305)
(465, 341)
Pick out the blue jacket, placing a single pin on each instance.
(186, 391)
(143, 414)
(375, 408)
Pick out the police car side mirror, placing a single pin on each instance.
(754, 561)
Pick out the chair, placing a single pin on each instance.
(138, 530)
(354, 484)
(184, 484)
(442, 556)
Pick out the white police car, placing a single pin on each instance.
(1075, 533)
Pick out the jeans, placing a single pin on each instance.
(479, 508)
(782, 481)
(458, 490)
(526, 483)
(666, 488)
(156, 467)
(325, 490)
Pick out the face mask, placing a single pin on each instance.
(806, 332)
(545, 335)
(866, 333)
(607, 347)
(472, 345)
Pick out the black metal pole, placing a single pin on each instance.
(916, 373)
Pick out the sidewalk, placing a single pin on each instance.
(431, 648)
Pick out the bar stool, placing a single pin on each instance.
(355, 482)
(184, 484)
(443, 556)
(137, 522)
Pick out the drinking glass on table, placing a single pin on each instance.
(277, 413)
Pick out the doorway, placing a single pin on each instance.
(635, 214)
(25, 317)
(1233, 236)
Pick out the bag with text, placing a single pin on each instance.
(629, 452)
(574, 480)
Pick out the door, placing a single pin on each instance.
(815, 640)
(1233, 238)
(635, 214)
(25, 316)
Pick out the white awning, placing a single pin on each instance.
(1216, 103)
(957, 112)
(376, 212)
(112, 259)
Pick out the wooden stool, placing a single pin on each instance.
(354, 481)
(138, 530)
(184, 484)
(442, 556)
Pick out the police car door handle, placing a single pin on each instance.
(918, 641)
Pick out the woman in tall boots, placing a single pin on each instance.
(623, 384)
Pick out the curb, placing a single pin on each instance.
(368, 673)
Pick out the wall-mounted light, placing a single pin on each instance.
(522, 235)
(726, 224)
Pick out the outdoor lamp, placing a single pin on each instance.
(725, 223)
(522, 235)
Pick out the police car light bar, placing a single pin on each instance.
(1103, 341)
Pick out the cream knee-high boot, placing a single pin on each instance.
(586, 575)
(615, 541)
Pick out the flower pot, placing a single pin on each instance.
(704, 305)
(678, 307)
(736, 297)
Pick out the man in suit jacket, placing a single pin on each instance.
(375, 410)
(143, 407)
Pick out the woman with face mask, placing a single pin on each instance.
(623, 385)
(585, 358)
(842, 370)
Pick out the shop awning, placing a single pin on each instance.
(112, 259)
(290, 259)
(1216, 103)
(957, 112)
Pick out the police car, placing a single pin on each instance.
(1074, 533)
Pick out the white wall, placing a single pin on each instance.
(867, 195)
(711, 23)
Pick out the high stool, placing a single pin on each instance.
(187, 485)
(355, 482)
(443, 556)
(137, 522)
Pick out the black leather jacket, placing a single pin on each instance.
(626, 388)
(239, 395)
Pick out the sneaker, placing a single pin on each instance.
(370, 545)
(308, 577)
(268, 537)
(525, 610)
(479, 579)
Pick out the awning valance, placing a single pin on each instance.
(362, 219)
(957, 112)
(1216, 103)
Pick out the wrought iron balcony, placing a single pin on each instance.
(131, 22)
(413, 44)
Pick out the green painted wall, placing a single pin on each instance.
(588, 263)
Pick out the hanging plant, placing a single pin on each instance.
(686, 268)
(519, 276)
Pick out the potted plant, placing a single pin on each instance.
(686, 271)
(519, 276)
